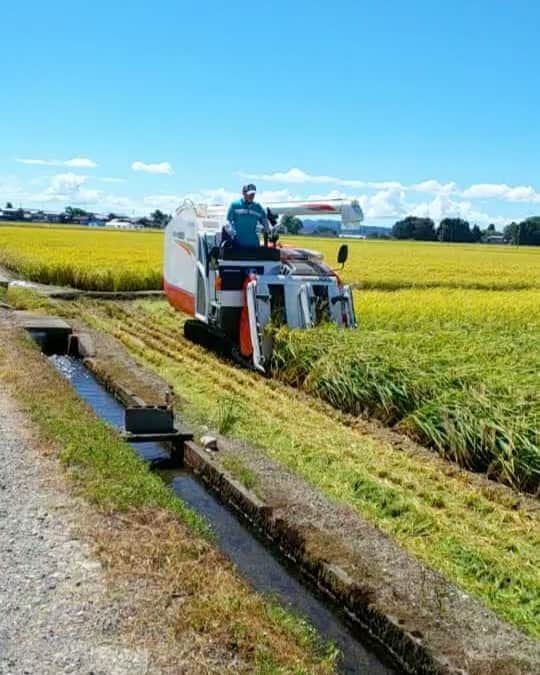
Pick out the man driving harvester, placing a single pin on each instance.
(243, 217)
(240, 234)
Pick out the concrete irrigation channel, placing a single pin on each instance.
(385, 610)
(178, 460)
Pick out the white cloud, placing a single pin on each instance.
(75, 162)
(431, 186)
(270, 196)
(434, 186)
(486, 191)
(64, 183)
(384, 204)
(522, 194)
(291, 176)
(160, 167)
(81, 163)
(110, 179)
(332, 194)
(442, 206)
(380, 185)
(163, 202)
(67, 188)
(502, 191)
(296, 175)
(212, 197)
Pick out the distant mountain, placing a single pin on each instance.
(311, 226)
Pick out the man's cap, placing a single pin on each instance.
(249, 189)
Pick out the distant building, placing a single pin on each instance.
(11, 214)
(97, 221)
(495, 239)
(123, 224)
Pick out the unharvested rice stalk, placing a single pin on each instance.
(471, 393)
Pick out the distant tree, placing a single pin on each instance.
(526, 233)
(454, 229)
(325, 231)
(290, 224)
(159, 219)
(111, 216)
(491, 229)
(411, 227)
(9, 205)
(476, 234)
(72, 212)
(510, 233)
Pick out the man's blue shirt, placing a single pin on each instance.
(244, 216)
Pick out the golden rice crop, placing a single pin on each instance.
(456, 369)
(112, 260)
(103, 260)
(391, 265)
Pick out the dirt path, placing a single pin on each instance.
(57, 616)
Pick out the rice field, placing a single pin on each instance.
(111, 260)
(439, 514)
(447, 351)
(101, 260)
(392, 265)
(458, 370)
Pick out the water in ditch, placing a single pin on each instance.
(264, 569)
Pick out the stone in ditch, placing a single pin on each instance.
(209, 443)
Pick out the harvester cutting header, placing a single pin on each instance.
(216, 270)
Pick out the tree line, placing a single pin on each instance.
(73, 214)
(526, 232)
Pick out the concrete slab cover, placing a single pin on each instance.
(30, 321)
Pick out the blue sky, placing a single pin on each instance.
(413, 107)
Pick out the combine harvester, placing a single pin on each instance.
(233, 293)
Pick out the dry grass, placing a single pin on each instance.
(194, 601)
(219, 622)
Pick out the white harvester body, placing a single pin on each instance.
(234, 293)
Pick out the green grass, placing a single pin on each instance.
(238, 470)
(105, 469)
(436, 512)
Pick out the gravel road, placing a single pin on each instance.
(56, 613)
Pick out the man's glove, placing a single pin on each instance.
(274, 235)
(229, 233)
